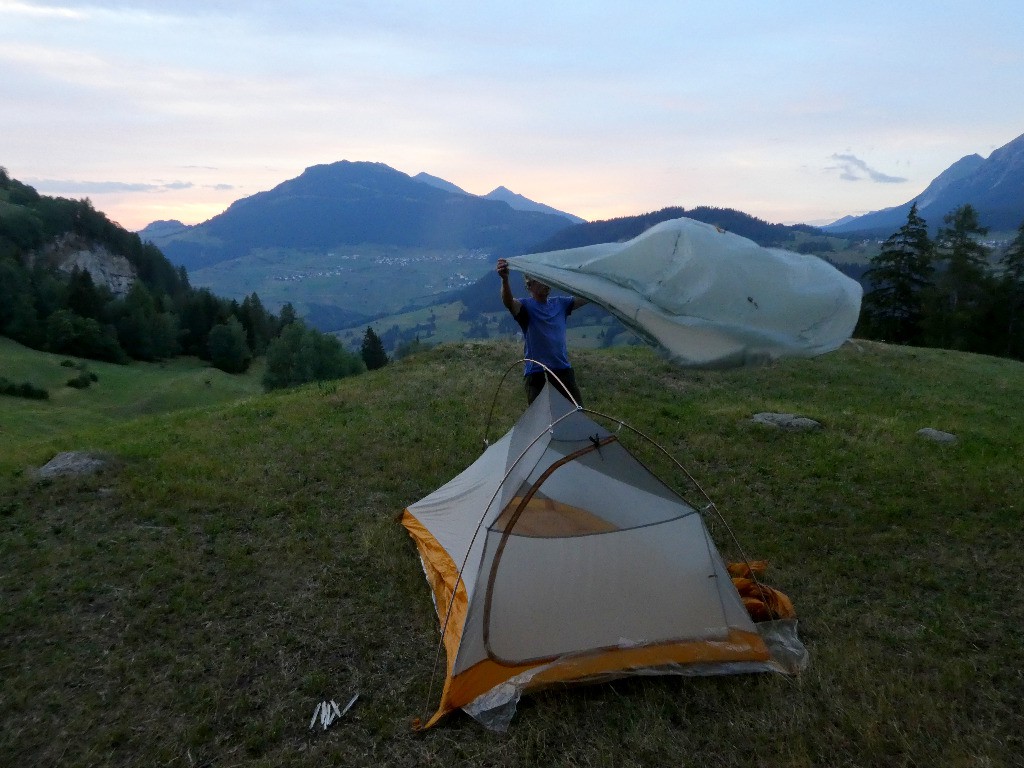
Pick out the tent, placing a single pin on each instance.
(557, 556)
(707, 298)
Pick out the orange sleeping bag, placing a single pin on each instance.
(762, 602)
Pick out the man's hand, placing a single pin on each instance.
(511, 304)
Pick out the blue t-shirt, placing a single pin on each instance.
(544, 332)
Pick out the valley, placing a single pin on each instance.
(345, 285)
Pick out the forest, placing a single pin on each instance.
(951, 291)
(161, 316)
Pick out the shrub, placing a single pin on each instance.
(82, 380)
(302, 354)
(25, 389)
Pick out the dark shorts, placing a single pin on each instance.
(535, 383)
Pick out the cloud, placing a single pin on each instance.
(39, 11)
(221, 187)
(70, 187)
(852, 168)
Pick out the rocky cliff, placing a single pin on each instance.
(105, 268)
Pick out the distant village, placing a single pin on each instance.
(455, 280)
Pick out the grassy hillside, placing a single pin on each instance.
(120, 392)
(241, 563)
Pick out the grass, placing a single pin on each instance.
(121, 392)
(240, 563)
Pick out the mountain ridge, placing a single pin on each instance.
(353, 203)
(501, 193)
(994, 186)
(521, 203)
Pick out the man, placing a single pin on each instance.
(542, 318)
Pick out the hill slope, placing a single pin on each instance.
(120, 393)
(243, 564)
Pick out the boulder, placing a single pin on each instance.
(786, 421)
(72, 463)
(937, 435)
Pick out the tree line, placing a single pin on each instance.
(627, 227)
(160, 317)
(951, 292)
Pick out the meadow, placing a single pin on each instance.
(240, 562)
(119, 394)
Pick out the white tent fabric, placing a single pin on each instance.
(708, 298)
(558, 556)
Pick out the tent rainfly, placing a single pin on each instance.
(707, 298)
(557, 556)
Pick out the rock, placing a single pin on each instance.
(72, 463)
(937, 435)
(787, 421)
(107, 269)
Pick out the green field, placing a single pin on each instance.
(120, 393)
(240, 563)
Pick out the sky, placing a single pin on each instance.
(792, 111)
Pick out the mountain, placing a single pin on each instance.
(162, 228)
(521, 203)
(503, 194)
(346, 241)
(354, 203)
(434, 181)
(994, 186)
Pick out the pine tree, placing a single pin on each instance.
(258, 324)
(18, 316)
(84, 298)
(372, 351)
(900, 277)
(958, 243)
(964, 289)
(287, 316)
(133, 316)
(1013, 287)
(199, 311)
